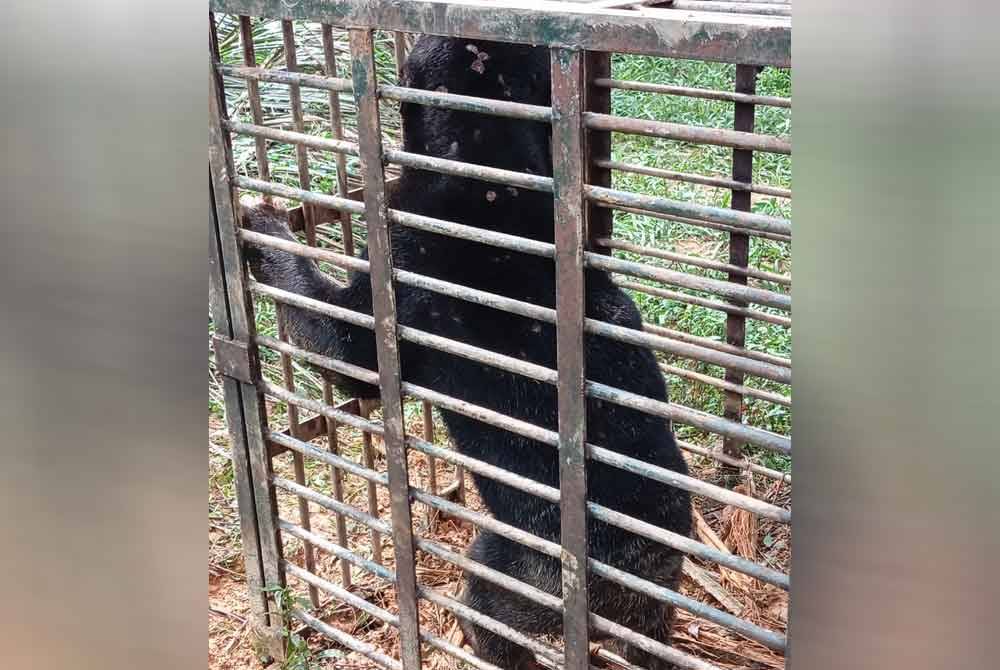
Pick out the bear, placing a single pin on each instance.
(516, 73)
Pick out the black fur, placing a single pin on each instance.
(521, 74)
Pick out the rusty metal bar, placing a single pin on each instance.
(296, 138)
(311, 197)
(242, 479)
(717, 287)
(367, 650)
(327, 83)
(719, 346)
(742, 220)
(460, 169)
(721, 37)
(734, 7)
(739, 253)
(368, 458)
(706, 94)
(600, 220)
(244, 399)
(709, 304)
(696, 261)
(716, 182)
(253, 95)
(387, 346)
(676, 131)
(701, 223)
(295, 99)
(465, 103)
(741, 463)
(288, 376)
(336, 478)
(399, 49)
(746, 391)
(337, 128)
(568, 169)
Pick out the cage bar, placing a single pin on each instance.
(581, 37)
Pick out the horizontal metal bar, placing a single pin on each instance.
(754, 8)
(717, 182)
(701, 223)
(686, 91)
(308, 197)
(715, 36)
(726, 307)
(296, 300)
(746, 391)
(292, 137)
(460, 169)
(335, 84)
(471, 233)
(466, 103)
(333, 257)
(741, 463)
(696, 261)
(367, 650)
(725, 289)
(719, 346)
(747, 221)
(722, 137)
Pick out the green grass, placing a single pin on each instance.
(768, 169)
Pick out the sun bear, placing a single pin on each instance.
(520, 74)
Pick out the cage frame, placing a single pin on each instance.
(581, 37)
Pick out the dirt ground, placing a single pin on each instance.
(232, 645)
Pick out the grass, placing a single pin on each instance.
(768, 169)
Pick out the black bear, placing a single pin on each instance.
(521, 74)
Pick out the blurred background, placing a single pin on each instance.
(103, 393)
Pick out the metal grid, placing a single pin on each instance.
(748, 34)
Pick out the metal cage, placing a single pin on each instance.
(582, 37)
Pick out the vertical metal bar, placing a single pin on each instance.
(365, 408)
(298, 461)
(301, 153)
(429, 437)
(739, 254)
(243, 481)
(248, 403)
(428, 421)
(600, 220)
(338, 485)
(253, 95)
(568, 169)
(400, 47)
(387, 344)
(302, 156)
(336, 125)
